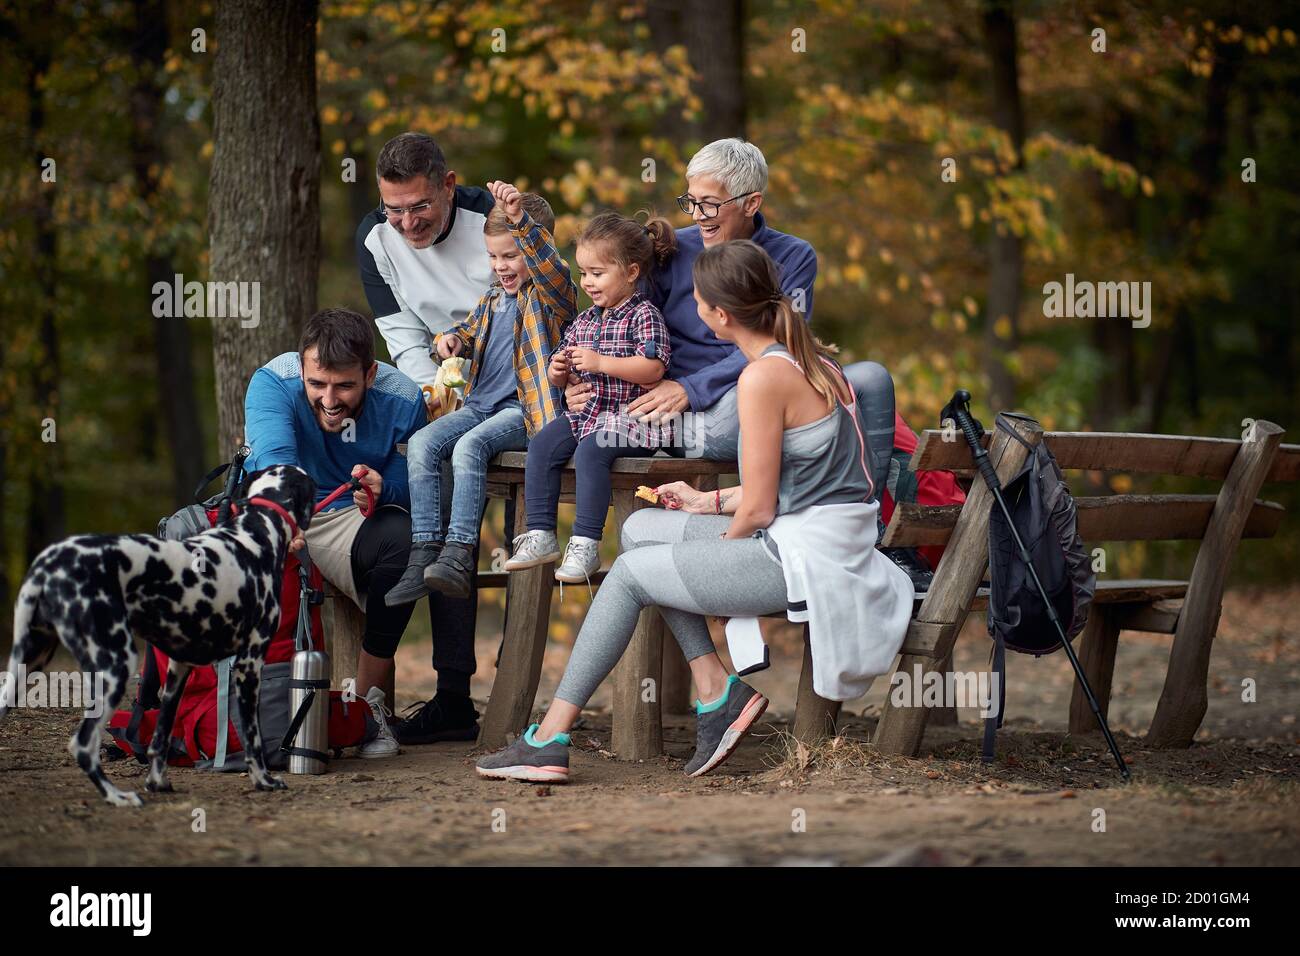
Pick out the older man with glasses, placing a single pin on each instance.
(423, 265)
(724, 192)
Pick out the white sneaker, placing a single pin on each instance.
(581, 560)
(533, 548)
(385, 745)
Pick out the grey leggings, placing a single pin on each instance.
(680, 563)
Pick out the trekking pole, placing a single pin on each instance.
(961, 411)
(233, 477)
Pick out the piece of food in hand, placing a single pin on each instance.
(647, 493)
(453, 372)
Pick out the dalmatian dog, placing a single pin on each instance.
(199, 600)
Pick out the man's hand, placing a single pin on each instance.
(585, 360)
(297, 543)
(371, 479)
(577, 394)
(508, 197)
(662, 399)
(449, 344)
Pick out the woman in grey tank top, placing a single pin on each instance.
(704, 554)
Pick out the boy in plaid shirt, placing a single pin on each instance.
(509, 395)
(619, 346)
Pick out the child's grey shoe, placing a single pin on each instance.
(527, 760)
(453, 572)
(410, 586)
(721, 728)
(581, 561)
(533, 548)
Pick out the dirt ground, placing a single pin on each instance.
(1232, 799)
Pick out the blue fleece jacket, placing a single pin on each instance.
(703, 364)
(281, 429)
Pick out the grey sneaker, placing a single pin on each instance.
(385, 744)
(533, 548)
(410, 586)
(528, 761)
(581, 561)
(721, 730)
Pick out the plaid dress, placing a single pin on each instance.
(634, 328)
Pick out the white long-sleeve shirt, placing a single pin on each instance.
(416, 294)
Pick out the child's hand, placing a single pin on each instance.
(510, 199)
(449, 344)
(585, 360)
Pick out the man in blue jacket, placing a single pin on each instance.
(335, 412)
(724, 191)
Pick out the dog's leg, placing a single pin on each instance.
(248, 674)
(177, 674)
(86, 741)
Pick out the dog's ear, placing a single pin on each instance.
(241, 489)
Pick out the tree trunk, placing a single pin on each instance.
(1006, 255)
(47, 518)
(264, 198)
(714, 37)
(177, 401)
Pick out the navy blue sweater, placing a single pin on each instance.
(703, 364)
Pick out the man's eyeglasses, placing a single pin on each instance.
(709, 210)
(397, 212)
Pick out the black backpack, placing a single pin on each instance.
(1045, 517)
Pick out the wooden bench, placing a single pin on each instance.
(1187, 609)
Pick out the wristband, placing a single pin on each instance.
(717, 497)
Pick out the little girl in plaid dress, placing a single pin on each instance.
(620, 345)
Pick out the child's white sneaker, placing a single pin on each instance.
(533, 548)
(581, 560)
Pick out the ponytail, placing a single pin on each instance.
(663, 238)
(793, 332)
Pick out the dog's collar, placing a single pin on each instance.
(278, 509)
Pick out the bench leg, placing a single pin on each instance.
(345, 626)
(945, 716)
(638, 678)
(1183, 700)
(1097, 645)
(519, 667)
(814, 717)
(676, 697)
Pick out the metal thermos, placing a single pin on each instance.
(310, 675)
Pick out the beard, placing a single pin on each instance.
(342, 414)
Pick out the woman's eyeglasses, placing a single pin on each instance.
(709, 210)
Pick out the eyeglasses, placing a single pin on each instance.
(397, 212)
(707, 209)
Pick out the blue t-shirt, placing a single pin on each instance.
(495, 382)
(281, 429)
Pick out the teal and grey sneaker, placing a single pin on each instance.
(723, 723)
(533, 548)
(528, 760)
(581, 561)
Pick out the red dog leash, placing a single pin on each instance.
(350, 486)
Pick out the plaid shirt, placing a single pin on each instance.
(634, 328)
(546, 302)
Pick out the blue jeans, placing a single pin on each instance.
(470, 440)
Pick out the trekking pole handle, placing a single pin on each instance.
(961, 410)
